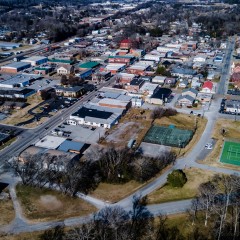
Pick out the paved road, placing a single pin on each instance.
(189, 160)
(31, 136)
(223, 84)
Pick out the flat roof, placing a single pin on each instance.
(148, 87)
(162, 93)
(34, 58)
(89, 112)
(137, 82)
(50, 142)
(15, 80)
(17, 65)
(68, 145)
(139, 66)
(115, 102)
(89, 65)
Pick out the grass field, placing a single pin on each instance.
(22, 115)
(45, 205)
(115, 192)
(231, 153)
(189, 190)
(6, 212)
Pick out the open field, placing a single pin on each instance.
(232, 131)
(22, 236)
(45, 205)
(6, 212)
(189, 190)
(115, 192)
(22, 115)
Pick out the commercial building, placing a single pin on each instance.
(135, 85)
(9, 45)
(16, 81)
(74, 92)
(95, 117)
(148, 89)
(101, 77)
(128, 60)
(138, 69)
(73, 147)
(50, 142)
(88, 65)
(15, 67)
(35, 60)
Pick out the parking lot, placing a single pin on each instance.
(80, 133)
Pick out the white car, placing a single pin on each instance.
(208, 146)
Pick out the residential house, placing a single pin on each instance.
(183, 84)
(183, 72)
(65, 69)
(159, 79)
(186, 100)
(208, 87)
(190, 91)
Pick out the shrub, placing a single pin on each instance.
(177, 178)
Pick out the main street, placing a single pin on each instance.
(223, 84)
(30, 136)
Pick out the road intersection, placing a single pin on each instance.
(20, 224)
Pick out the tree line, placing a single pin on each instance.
(71, 176)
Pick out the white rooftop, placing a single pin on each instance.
(50, 142)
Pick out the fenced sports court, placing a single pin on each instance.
(169, 136)
(231, 153)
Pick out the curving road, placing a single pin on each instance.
(20, 224)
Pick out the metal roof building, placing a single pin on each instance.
(15, 67)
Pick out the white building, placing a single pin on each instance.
(35, 60)
(95, 117)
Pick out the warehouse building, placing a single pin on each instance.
(9, 45)
(15, 67)
(35, 60)
(15, 81)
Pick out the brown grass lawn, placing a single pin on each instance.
(189, 190)
(185, 226)
(115, 192)
(9, 142)
(22, 115)
(185, 121)
(6, 212)
(232, 132)
(44, 204)
(22, 236)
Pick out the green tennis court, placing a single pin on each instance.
(231, 153)
(168, 136)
